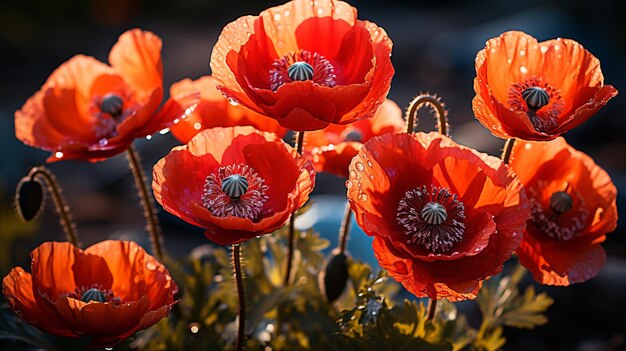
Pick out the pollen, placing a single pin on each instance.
(302, 66)
(432, 218)
(235, 190)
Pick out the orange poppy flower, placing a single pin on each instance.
(573, 207)
(232, 187)
(444, 217)
(332, 148)
(214, 110)
(89, 110)
(108, 291)
(305, 63)
(536, 91)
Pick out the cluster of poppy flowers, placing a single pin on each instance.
(444, 217)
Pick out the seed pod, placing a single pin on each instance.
(334, 276)
(29, 198)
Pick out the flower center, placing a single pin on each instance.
(354, 135)
(560, 219)
(433, 218)
(561, 202)
(112, 104)
(235, 190)
(541, 102)
(94, 293)
(109, 113)
(302, 66)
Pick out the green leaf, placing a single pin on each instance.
(527, 311)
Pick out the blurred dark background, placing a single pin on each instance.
(434, 48)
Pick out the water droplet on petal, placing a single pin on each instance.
(103, 142)
(348, 184)
(523, 69)
(360, 167)
(197, 126)
(148, 137)
(151, 266)
(164, 131)
(58, 154)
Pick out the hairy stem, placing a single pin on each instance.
(508, 150)
(344, 231)
(291, 238)
(63, 210)
(236, 258)
(432, 309)
(149, 211)
(434, 103)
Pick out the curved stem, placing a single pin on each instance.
(435, 104)
(344, 231)
(432, 309)
(242, 299)
(63, 210)
(149, 211)
(508, 150)
(291, 238)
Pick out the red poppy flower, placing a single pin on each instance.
(444, 217)
(108, 291)
(536, 91)
(214, 110)
(91, 111)
(573, 207)
(305, 63)
(332, 148)
(236, 182)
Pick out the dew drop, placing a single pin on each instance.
(523, 69)
(164, 131)
(544, 49)
(363, 197)
(352, 174)
(176, 121)
(148, 137)
(194, 328)
(197, 126)
(287, 13)
(369, 163)
(557, 47)
(103, 142)
(277, 17)
(522, 52)
(509, 61)
(528, 146)
(348, 184)
(58, 154)
(360, 167)
(151, 266)
(233, 102)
